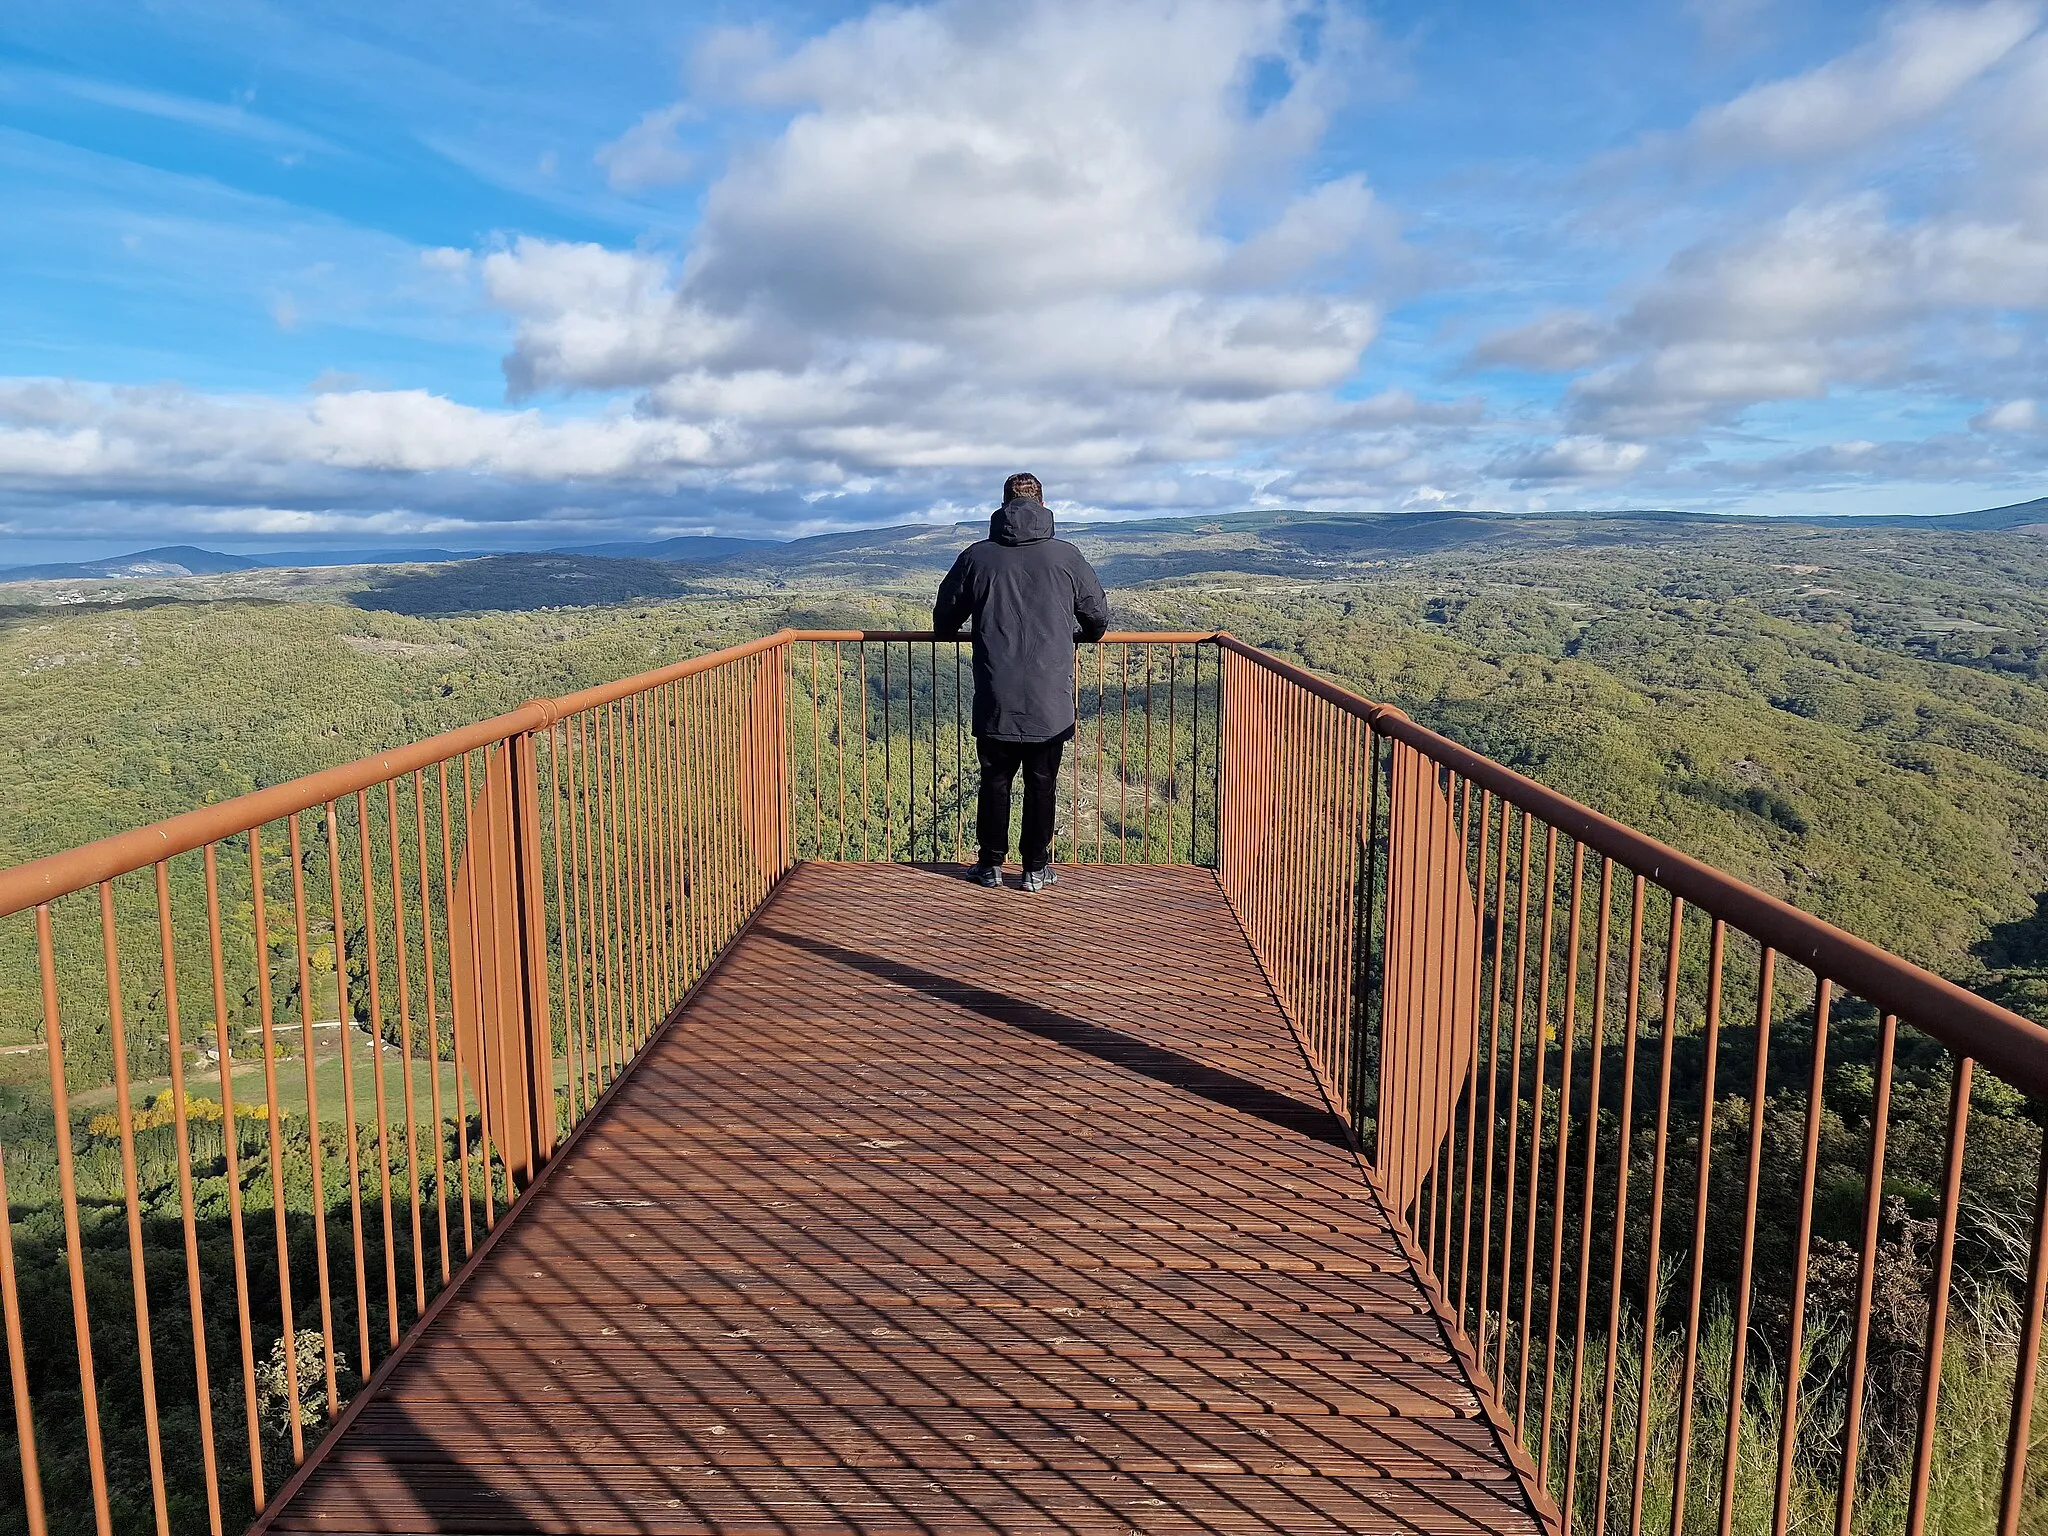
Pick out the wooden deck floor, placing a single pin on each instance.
(942, 1210)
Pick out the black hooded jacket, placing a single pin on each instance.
(1028, 594)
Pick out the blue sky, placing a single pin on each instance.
(306, 274)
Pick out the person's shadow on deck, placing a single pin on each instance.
(1160, 1063)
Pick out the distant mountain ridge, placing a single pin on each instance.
(188, 560)
(1410, 531)
(292, 559)
(170, 560)
(689, 549)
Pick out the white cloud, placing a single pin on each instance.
(1927, 283)
(165, 439)
(1922, 62)
(647, 154)
(1728, 26)
(1559, 342)
(1573, 458)
(1838, 293)
(2013, 416)
(929, 254)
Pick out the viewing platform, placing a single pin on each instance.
(1360, 1136)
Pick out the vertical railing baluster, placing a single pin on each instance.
(817, 762)
(839, 735)
(866, 802)
(1795, 1364)
(910, 750)
(74, 1244)
(1667, 1039)
(959, 765)
(1738, 1362)
(1564, 1116)
(1696, 1282)
(1922, 1484)
(1631, 1021)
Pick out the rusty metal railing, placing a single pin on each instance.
(884, 764)
(1592, 1078)
(403, 982)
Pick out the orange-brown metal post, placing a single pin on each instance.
(1688, 1372)
(74, 1245)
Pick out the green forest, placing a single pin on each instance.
(1855, 719)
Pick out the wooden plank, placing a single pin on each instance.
(862, 1328)
(1000, 1439)
(661, 1501)
(567, 1281)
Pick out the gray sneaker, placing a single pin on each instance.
(990, 875)
(1039, 879)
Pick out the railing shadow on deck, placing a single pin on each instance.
(1128, 1051)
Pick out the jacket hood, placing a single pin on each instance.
(1021, 520)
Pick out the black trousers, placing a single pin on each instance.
(1000, 761)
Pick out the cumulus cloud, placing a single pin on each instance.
(929, 252)
(1921, 62)
(1842, 293)
(1937, 285)
(1929, 283)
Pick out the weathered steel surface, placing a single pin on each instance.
(945, 1209)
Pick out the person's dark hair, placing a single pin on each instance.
(1023, 485)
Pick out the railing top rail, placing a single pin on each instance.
(76, 869)
(1114, 637)
(2014, 1047)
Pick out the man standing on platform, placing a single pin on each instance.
(1031, 596)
